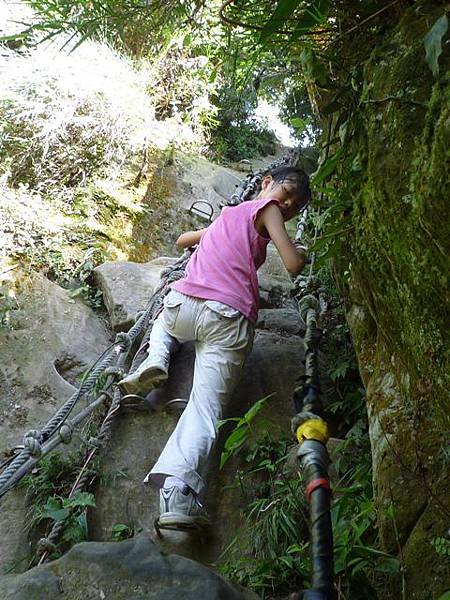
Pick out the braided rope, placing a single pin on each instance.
(47, 544)
(33, 439)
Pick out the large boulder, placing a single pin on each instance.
(51, 340)
(130, 570)
(282, 320)
(127, 287)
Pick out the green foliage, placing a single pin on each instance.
(442, 546)
(315, 13)
(8, 303)
(92, 295)
(131, 25)
(243, 427)
(271, 553)
(268, 555)
(247, 139)
(359, 564)
(345, 393)
(71, 512)
(120, 532)
(282, 12)
(56, 132)
(47, 490)
(433, 43)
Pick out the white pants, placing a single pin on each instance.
(223, 338)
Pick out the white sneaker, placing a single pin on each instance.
(150, 373)
(180, 510)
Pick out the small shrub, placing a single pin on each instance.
(120, 532)
(65, 117)
(270, 553)
(247, 139)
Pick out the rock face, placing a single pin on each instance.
(53, 340)
(127, 288)
(395, 277)
(130, 570)
(198, 179)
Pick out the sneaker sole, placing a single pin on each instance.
(183, 521)
(146, 381)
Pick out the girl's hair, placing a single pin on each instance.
(296, 176)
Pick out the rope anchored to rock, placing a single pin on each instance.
(38, 443)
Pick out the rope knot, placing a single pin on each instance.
(175, 274)
(123, 338)
(115, 372)
(45, 545)
(95, 442)
(301, 418)
(32, 442)
(65, 433)
(306, 303)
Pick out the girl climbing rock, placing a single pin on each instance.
(216, 305)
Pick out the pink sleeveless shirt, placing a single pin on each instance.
(224, 265)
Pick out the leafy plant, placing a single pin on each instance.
(8, 303)
(47, 491)
(84, 273)
(359, 564)
(120, 532)
(442, 546)
(270, 554)
(242, 139)
(70, 511)
(242, 431)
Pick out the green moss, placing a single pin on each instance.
(394, 271)
(399, 259)
(399, 241)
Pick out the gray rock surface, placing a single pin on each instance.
(282, 320)
(198, 179)
(134, 569)
(53, 339)
(275, 284)
(127, 288)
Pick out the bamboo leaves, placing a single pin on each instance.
(313, 14)
(282, 12)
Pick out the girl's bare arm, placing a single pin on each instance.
(190, 238)
(293, 258)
